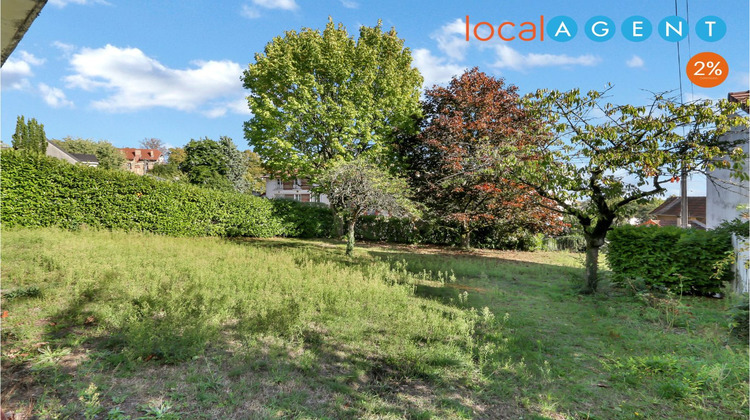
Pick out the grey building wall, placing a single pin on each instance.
(724, 195)
(56, 152)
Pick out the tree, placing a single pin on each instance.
(108, 155)
(357, 186)
(30, 136)
(171, 170)
(237, 163)
(319, 97)
(255, 173)
(451, 165)
(157, 144)
(176, 155)
(218, 165)
(595, 159)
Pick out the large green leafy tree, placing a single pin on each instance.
(595, 158)
(29, 136)
(108, 155)
(319, 96)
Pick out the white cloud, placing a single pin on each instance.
(635, 62)
(135, 81)
(63, 3)
(435, 70)
(451, 39)
(253, 11)
(17, 71)
(349, 4)
(66, 49)
(54, 97)
(508, 58)
(30, 58)
(250, 12)
(276, 4)
(238, 106)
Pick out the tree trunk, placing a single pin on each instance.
(350, 237)
(466, 240)
(592, 263)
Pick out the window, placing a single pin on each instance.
(130, 166)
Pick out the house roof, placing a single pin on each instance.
(671, 207)
(145, 154)
(740, 97)
(17, 16)
(84, 157)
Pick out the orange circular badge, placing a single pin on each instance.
(707, 69)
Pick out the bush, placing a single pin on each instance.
(739, 318)
(304, 220)
(409, 231)
(680, 260)
(42, 191)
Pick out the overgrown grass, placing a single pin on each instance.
(117, 325)
(335, 335)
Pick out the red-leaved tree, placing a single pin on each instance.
(452, 162)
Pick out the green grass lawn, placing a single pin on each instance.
(117, 325)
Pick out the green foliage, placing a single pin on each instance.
(30, 136)
(321, 96)
(216, 165)
(608, 156)
(108, 155)
(681, 260)
(358, 186)
(23, 292)
(42, 191)
(739, 317)
(406, 230)
(170, 171)
(255, 172)
(738, 226)
(304, 220)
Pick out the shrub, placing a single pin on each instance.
(409, 231)
(681, 260)
(42, 191)
(739, 317)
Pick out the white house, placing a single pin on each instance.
(298, 189)
(727, 198)
(56, 151)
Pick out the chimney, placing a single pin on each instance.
(137, 153)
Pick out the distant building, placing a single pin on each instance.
(56, 151)
(668, 214)
(298, 189)
(140, 161)
(727, 196)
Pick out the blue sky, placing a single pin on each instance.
(123, 71)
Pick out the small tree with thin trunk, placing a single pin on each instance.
(356, 187)
(598, 158)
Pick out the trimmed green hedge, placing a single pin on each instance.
(43, 191)
(682, 260)
(408, 231)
